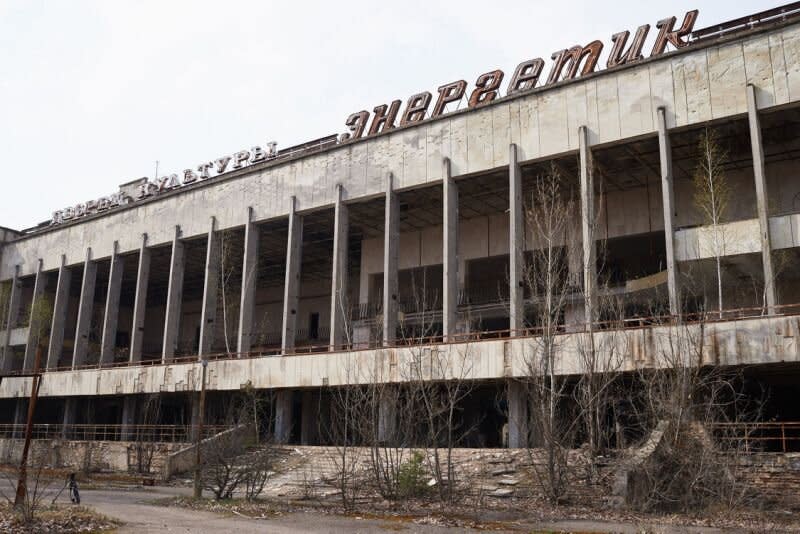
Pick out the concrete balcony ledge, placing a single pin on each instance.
(737, 237)
(752, 341)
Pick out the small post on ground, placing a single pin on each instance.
(198, 486)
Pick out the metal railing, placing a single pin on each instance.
(93, 432)
(772, 436)
(629, 323)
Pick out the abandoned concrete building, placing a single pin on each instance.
(335, 261)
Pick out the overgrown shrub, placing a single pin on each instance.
(411, 477)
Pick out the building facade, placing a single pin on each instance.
(338, 261)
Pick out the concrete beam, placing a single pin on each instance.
(249, 285)
(12, 315)
(284, 415)
(516, 242)
(391, 240)
(85, 309)
(60, 309)
(177, 266)
(760, 176)
(35, 319)
(449, 253)
(111, 316)
(588, 226)
(208, 313)
(668, 198)
(140, 301)
(291, 288)
(339, 275)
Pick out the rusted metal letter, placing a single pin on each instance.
(356, 123)
(667, 34)
(383, 120)
(486, 88)
(451, 92)
(634, 53)
(526, 75)
(574, 56)
(416, 108)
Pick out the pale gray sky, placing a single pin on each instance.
(92, 93)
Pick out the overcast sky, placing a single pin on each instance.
(93, 93)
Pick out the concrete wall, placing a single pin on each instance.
(695, 85)
(85, 455)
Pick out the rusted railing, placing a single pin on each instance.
(748, 22)
(630, 323)
(771, 436)
(90, 432)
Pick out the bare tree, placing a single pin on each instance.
(36, 487)
(548, 215)
(712, 194)
(144, 441)
(704, 416)
(229, 292)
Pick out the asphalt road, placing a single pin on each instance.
(134, 506)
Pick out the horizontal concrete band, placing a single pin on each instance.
(754, 341)
(694, 85)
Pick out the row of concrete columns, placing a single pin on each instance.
(517, 402)
(339, 287)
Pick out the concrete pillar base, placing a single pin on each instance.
(517, 415)
(309, 429)
(284, 416)
(387, 419)
(128, 418)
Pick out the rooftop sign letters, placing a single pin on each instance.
(565, 66)
(146, 187)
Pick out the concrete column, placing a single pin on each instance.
(249, 285)
(35, 319)
(391, 240)
(668, 198)
(208, 314)
(291, 288)
(588, 226)
(449, 253)
(111, 317)
(60, 308)
(128, 417)
(85, 308)
(284, 406)
(70, 416)
(11, 319)
(387, 419)
(340, 274)
(177, 266)
(309, 429)
(140, 301)
(760, 175)
(516, 243)
(517, 415)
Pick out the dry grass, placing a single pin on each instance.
(58, 519)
